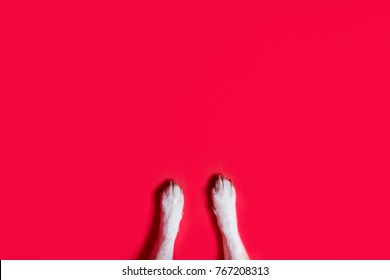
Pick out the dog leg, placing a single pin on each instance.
(172, 203)
(224, 201)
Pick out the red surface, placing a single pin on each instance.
(102, 101)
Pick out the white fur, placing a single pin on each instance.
(224, 201)
(172, 203)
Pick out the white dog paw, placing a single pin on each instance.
(172, 204)
(224, 201)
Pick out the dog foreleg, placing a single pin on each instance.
(172, 203)
(224, 201)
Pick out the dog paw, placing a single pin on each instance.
(224, 202)
(172, 204)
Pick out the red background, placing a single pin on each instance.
(101, 102)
